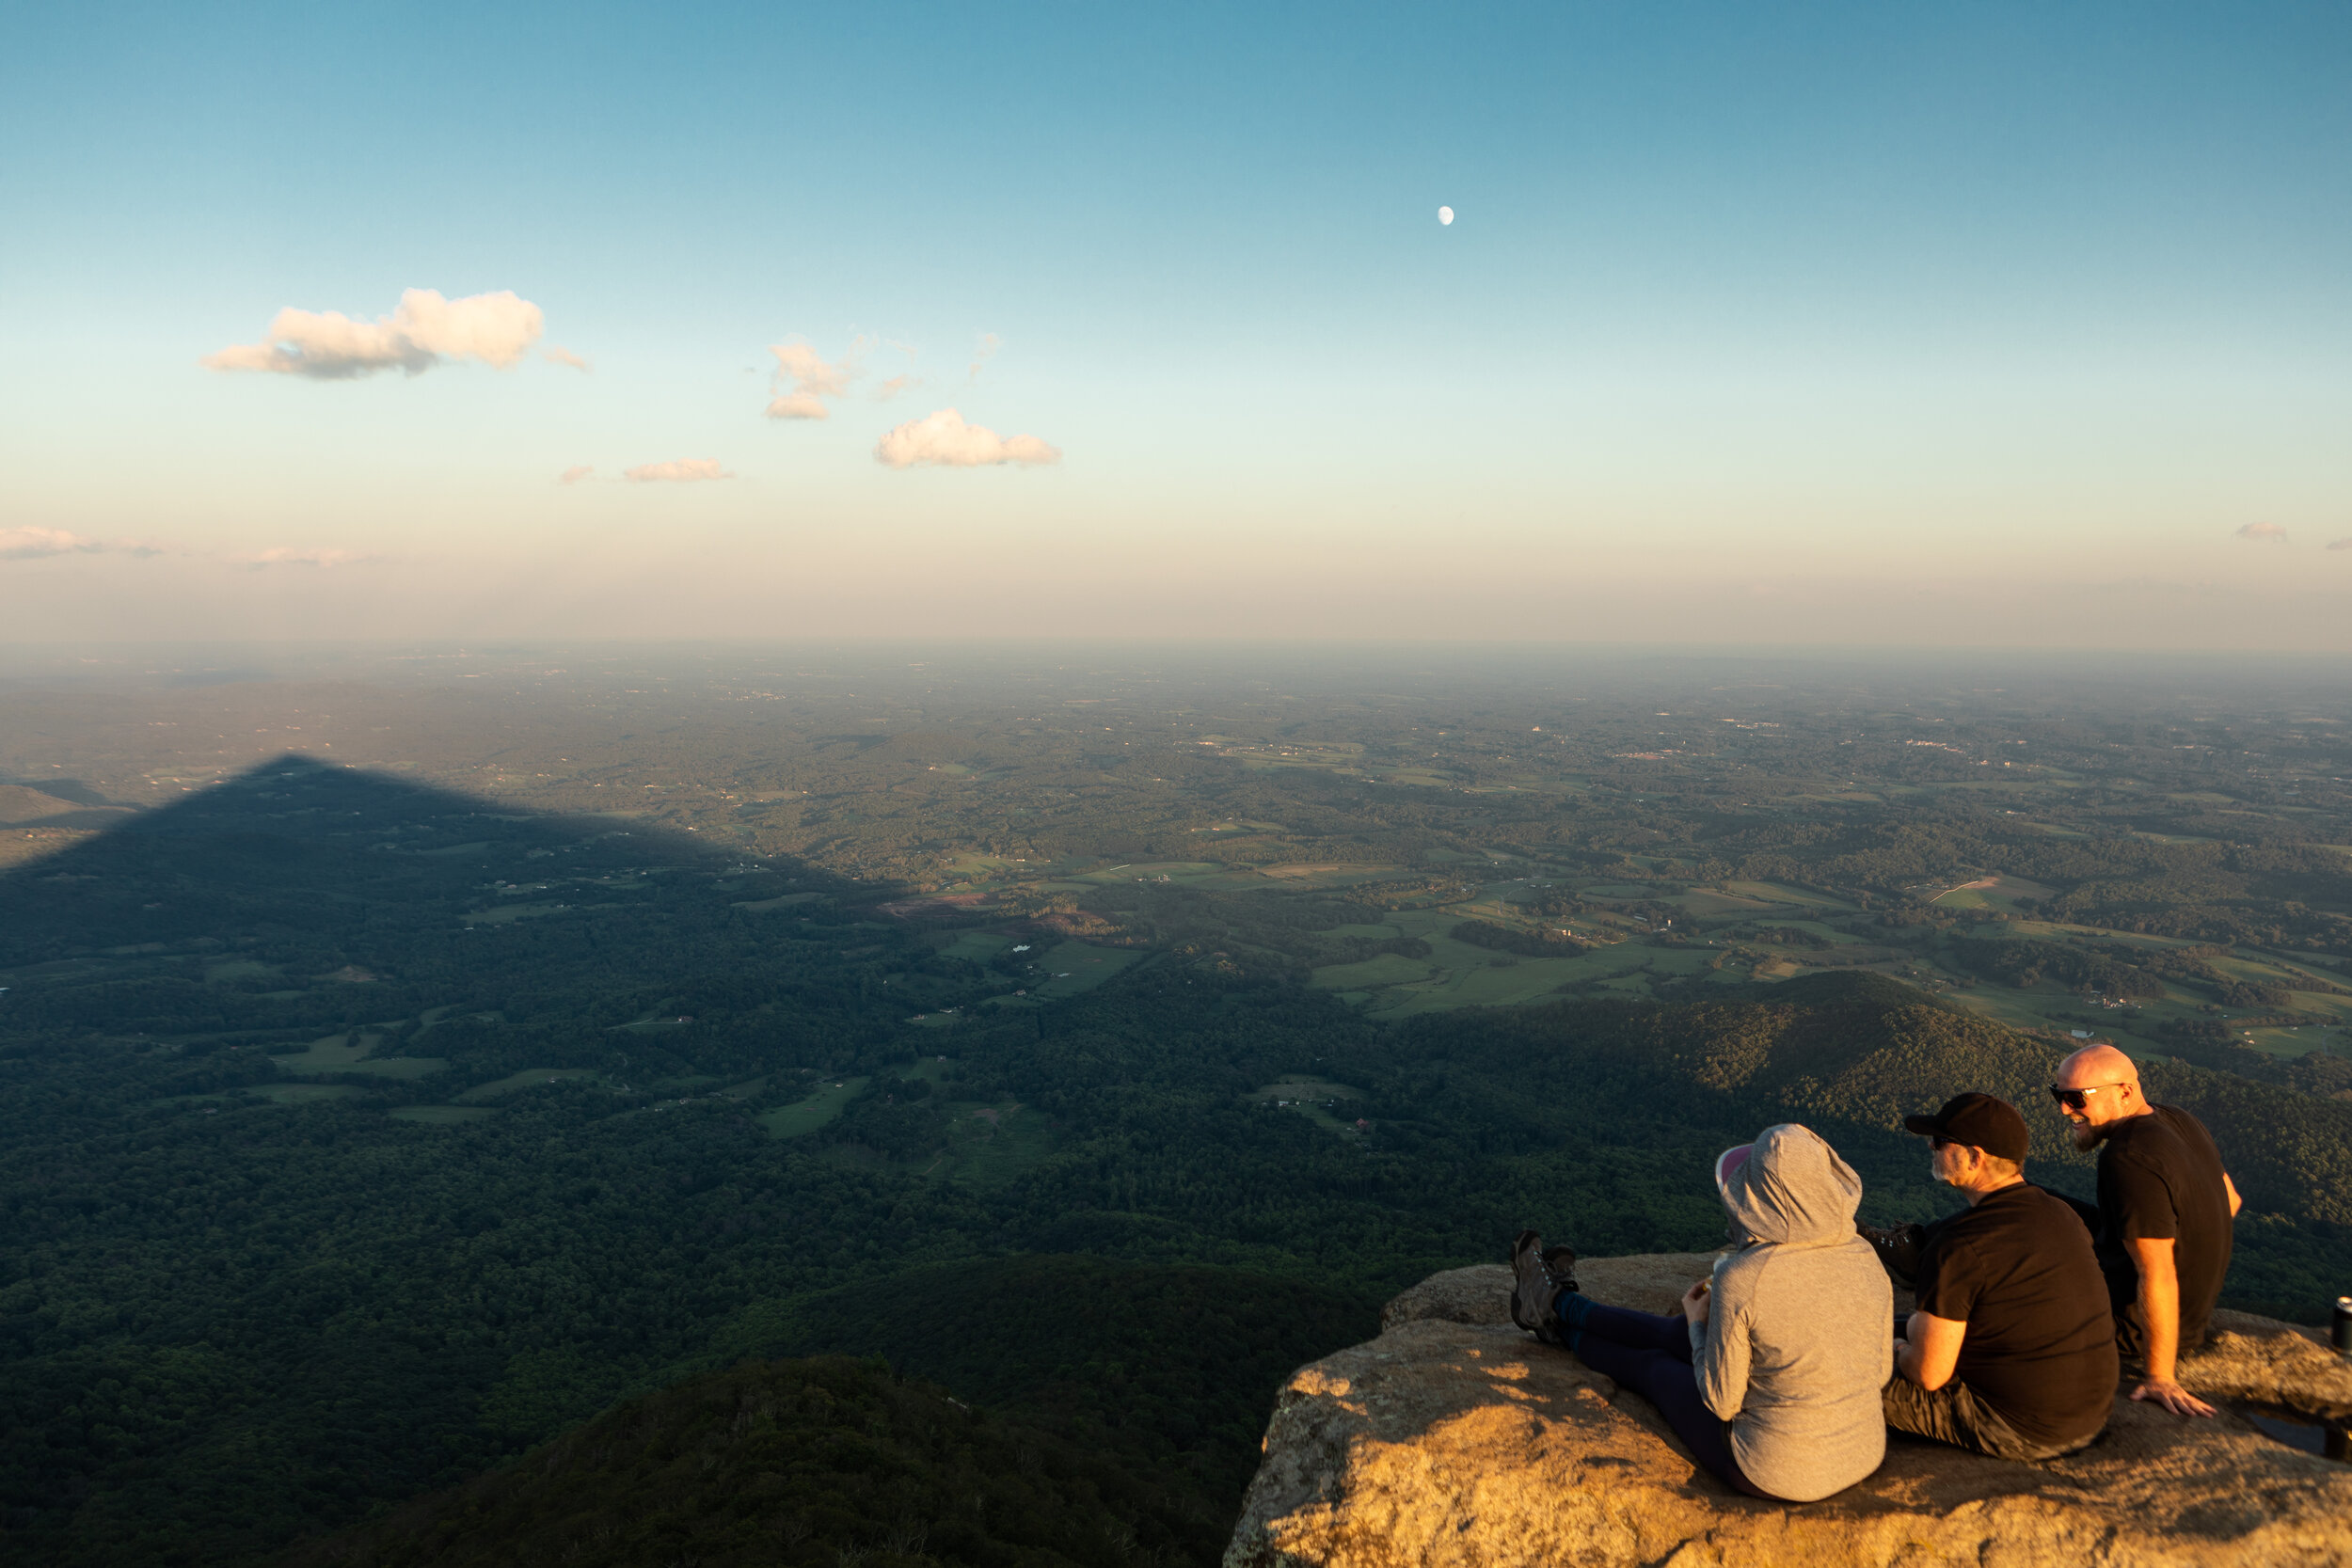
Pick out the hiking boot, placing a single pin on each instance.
(1540, 1277)
(1897, 1247)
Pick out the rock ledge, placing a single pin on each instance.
(1454, 1439)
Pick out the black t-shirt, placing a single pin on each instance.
(2017, 1269)
(2160, 1177)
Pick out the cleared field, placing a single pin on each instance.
(346, 1054)
(1375, 931)
(1306, 1088)
(443, 1115)
(807, 1116)
(1074, 967)
(1388, 969)
(786, 901)
(990, 1145)
(976, 946)
(527, 1078)
(1773, 893)
(303, 1094)
(1145, 871)
(1992, 892)
(506, 914)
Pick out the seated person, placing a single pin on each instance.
(2161, 1231)
(1771, 1373)
(2011, 1352)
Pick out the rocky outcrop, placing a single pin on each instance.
(1454, 1439)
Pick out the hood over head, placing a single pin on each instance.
(1792, 1188)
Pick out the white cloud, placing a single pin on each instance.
(284, 555)
(944, 440)
(813, 381)
(983, 354)
(574, 474)
(895, 385)
(426, 330)
(2263, 533)
(554, 356)
(31, 543)
(686, 471)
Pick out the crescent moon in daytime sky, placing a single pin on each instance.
(1445, 214)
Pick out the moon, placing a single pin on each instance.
(1445, 214)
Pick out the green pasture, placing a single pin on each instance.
(1776, 892)
(1074, 967)
(990, 1145)
(237, 968)
(443, 1115)
(975, 946)
(807, 1116)
(1373, 931)
(1387, 969)
(303, 1094)
(506, 914)
(527, 1078)
(344, 1053)
(1306, 1088)
(1319, 1102)
(1145, 871)
(784, 901)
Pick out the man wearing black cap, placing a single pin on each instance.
(2011, 1351)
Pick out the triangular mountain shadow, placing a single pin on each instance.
(307, 846)
(302, 897)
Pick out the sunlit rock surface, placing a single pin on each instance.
(1454, 1439)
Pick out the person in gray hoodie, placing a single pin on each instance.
(1771, 1375)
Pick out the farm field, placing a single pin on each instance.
(807, 1116)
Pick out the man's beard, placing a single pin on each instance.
(2089, 1137)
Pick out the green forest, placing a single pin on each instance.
(393, 1172)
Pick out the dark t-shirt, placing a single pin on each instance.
(2017, 1269)
(2160, 1177)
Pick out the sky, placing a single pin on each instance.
(1987, 325)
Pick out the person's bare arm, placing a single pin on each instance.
(1930, 1349)
(2231, 1187)
(2160, 1315)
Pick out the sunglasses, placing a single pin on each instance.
(2075, 1100)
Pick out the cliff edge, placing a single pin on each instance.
(1454, 1439)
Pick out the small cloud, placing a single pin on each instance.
(283, 555)
(554, 356)
(944, 440)
(426, 330)
(31, 543)
(895, 385)
(574, 474)
(812, 381)
(981, 355)
(2263, 533)
(2343, 544)
(686, 471)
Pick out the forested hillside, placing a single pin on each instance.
(358, 1135)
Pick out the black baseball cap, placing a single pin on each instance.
(1979, 1121)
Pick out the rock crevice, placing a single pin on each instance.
(1456, 1439)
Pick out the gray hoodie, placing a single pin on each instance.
(1800, 1338)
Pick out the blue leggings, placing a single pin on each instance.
(1651, 1355)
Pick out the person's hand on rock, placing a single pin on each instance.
(2170, 1395)
(1695, 1303)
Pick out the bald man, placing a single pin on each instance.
(2165, 1210)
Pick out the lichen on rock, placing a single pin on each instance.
(1454, 1439)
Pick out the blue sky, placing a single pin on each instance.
(1838, 323)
